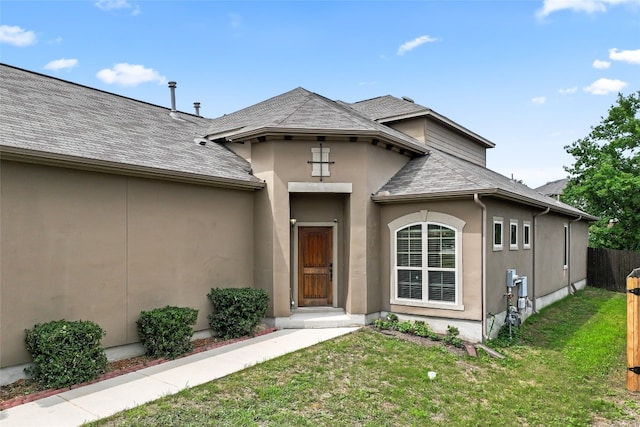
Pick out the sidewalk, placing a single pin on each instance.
(99, 400)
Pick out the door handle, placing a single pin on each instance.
(331, 271)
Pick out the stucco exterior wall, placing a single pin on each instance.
(91, 246)
(550, 273)
(579, 235)
(465, 210)
(498, 261)
(543, 263)
(366, 167)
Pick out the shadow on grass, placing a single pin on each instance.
(557, 325)
(588, 329)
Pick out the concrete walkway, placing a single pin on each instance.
(99, 400)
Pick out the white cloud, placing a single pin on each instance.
(601, 65)
(539, 100)
(61, 64)
(568, 90)
(117, 4)
(588, 6)
(129, 75)
(16, 36)
(412, 44)
(112, 4)
(605, 86)
(630, 56)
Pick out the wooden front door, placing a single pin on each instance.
(315, 266)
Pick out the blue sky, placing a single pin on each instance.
(532, 76)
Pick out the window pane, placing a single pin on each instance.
(410, 284)
(514, 234)
(448, 261)
(441, 247)
(442, 286)
(526, 235)
(497, 233)
(566, 246)
(409, 246)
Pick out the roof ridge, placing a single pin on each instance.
(308, 94)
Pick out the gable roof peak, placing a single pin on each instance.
(302, 111)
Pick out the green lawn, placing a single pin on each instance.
(568, 369)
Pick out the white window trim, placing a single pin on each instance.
(513, 246)
(498, 220)
(526, 244)
(436, 218)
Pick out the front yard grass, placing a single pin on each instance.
(567, 369)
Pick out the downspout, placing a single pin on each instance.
(569, 286)
(476, 199)
(535, 249)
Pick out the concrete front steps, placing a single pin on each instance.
(317, 318)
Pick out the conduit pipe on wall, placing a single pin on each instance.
(476, 199)
(535, 249)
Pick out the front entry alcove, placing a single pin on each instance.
(318, 252)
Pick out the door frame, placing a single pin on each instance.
(294, 262)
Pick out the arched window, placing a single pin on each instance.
(426, 260)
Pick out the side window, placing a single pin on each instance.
(526, 235)
(513, 234)
(565, 252)
(497, 234)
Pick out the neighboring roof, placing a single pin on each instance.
(385, 109)
(553, 188)
(301, 111)
(441, 175)
(51, 120)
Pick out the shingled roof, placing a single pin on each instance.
(387, 109)
(51, 120)
(441, 175)
(300, 111)
(553, 188)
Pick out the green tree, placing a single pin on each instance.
(605, 177)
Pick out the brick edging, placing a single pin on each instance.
(52, 392)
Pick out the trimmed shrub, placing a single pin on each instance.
(452, 338)
(65, 353)
(166, 332)
(237, 312)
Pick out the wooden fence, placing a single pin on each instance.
(608, 268)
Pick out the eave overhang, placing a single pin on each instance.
(96, 165)
(251, 134)
(490, 192)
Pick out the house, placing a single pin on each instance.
(554, 188)
(110, 206)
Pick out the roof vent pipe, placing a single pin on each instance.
(196, 105)
(172, 86)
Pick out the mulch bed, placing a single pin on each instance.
(24, 390)
(468, 350)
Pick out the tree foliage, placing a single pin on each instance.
(605, 177)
